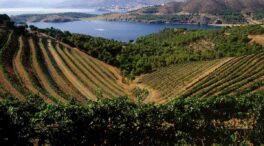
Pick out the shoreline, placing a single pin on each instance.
(169, 23)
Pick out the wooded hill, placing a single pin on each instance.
(197, 11)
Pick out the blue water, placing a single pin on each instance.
(121, 31)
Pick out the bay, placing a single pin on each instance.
(120, 31)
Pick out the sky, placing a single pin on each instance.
(30, 3)
(63, 3)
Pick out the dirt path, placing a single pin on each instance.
(24, 76)
(257, 39)
(154, 95)
(40, 73)
(61, 80)
(68, 73)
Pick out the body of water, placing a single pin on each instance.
(121, 31)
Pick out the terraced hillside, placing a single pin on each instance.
(241, 75)
(37, 62)
(232, 76)
(31, 64)
(171, 81)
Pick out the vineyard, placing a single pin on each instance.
(231, 76)
(39, 65)
(242, 75)
(58, 88)
(171, 81)
(60, 66)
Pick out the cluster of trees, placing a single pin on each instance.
(118, 121)
(101, 48)
(259, 15)
(226, 17)
(230, 16)
(167, 47)
(5, 21)
(3, 18)
(162, 18)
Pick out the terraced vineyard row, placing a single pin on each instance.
(54, 71)
(232, 76)
(242, 75)
(172, 81)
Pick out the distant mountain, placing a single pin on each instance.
(204, 11)
(114, 3)
(209, 6)
(81, 3)
(52, 17)
(215, 6)
(196, 11)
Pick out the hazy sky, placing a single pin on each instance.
(40, 3)
(63, 3)
(29, 3)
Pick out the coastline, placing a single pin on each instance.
(129, 18)
(157, 22)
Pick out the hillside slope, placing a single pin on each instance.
(197, 11)
(173, 63)
(218, 6)
(56, 72)
(231, 76)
